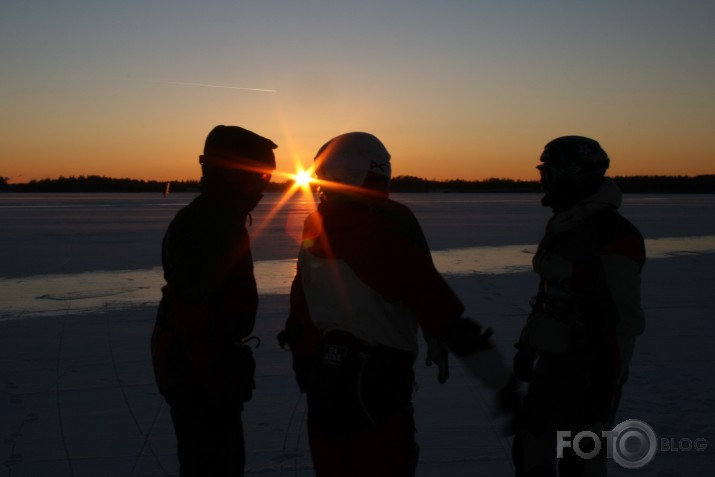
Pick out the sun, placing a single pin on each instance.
(302, 178)
(302, 183)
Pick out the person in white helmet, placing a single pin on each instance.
(576, 345)
(365, 284)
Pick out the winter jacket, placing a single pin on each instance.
(589, 263)
(209, 302)
(365, 268)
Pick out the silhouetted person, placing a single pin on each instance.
(365, 282)
(202, 366)
(577, 343)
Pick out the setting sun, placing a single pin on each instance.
(303, 178)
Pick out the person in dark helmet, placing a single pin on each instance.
(202, 364)
(365, 284)
(577, 343)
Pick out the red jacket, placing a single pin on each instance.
(366, 268)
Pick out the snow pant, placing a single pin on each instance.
(209, 435)
(360, 416)
(563, 396)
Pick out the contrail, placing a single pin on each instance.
(206, 85)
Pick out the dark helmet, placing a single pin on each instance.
(233, 147)
(354, 162)
(237, 164)
(572, 158)
(572, 167)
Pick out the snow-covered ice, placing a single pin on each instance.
(80, 278)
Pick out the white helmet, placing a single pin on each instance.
(355, 159)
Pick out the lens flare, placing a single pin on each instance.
(302, 183)
(303, 178)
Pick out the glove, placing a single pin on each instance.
(437, 353)
(465, 336)
(283, 338)
(524, 364)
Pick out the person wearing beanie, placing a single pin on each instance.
(365, 284)
(203, 365)
(577, 343)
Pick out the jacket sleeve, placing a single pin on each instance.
(300, 334)
(621, 276)
(620, 262)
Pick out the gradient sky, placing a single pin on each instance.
(466, 89)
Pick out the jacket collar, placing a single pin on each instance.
(609, 195)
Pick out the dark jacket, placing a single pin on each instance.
(209, 302)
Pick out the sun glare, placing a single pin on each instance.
(302, 181)
(303, 178)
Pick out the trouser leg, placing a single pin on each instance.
(385, 450)
(552, 406)
(209, 436)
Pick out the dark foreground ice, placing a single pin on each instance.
(77, 396)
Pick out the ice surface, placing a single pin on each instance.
(90, 292)
(77, 396)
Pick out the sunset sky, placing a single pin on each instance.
(467, 89)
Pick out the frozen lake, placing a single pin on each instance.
(95, 251)
(80, 278)
(70, 233)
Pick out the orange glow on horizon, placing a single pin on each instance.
(163, 166)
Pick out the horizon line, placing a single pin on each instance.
(9, 180)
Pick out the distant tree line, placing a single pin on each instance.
(702, 184)
(417, 184)
(97, 184)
